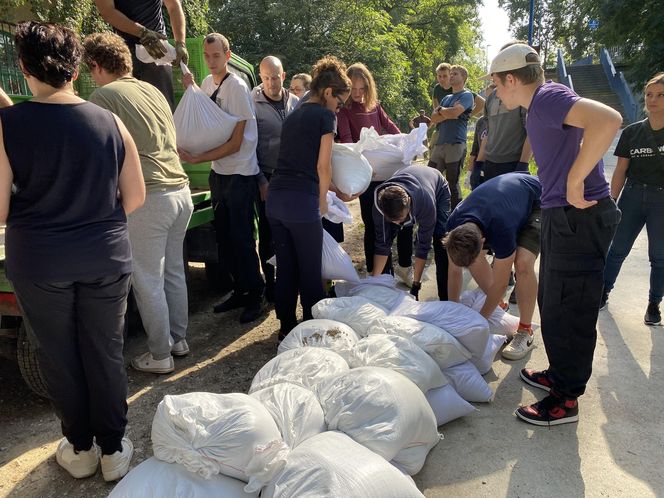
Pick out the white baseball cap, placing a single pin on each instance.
(513, 57)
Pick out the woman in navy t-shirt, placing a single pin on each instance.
(297, 194)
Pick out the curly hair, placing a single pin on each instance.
(329, 72)
(108, 51)
(360, 71)
(47, 51)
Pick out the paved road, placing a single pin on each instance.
(615, 449)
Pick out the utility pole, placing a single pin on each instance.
(530, 22)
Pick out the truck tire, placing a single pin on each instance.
(28, 364)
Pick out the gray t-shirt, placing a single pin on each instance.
(506, 131)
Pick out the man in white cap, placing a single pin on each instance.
(569, 135)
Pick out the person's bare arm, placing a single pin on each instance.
(116, 18)
(130, 183)
(481, 154)
(454, 281)
(176, 15)
(500, 278)
(6, 179)
(619, 177)
(478, 106)
(443, 113)
(600, 124)
(324, 168)
(526, 151)
(379, 263)
(5, 101)
(226, 149)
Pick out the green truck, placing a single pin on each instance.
(200, 242)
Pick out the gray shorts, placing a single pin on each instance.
(448, 153)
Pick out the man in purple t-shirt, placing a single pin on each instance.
(569, 135)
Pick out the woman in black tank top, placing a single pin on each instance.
(63, 162)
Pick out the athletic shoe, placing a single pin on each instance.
(180, 348)
(520, 345)
(653, 316)
(552, 410)
(604, 301)
(536, 378)
(79, 464)
(146, 363)
(115, 466)
(405, 274)
(232, 303)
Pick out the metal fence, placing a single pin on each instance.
(11, 78)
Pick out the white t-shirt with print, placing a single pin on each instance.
(234, 98)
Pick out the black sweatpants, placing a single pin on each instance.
(575, 243)
(77, 330)
(234, 204)
(265, 244)
(299, 247)
(159, 76)
(404, 237)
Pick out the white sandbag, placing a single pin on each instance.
(466, 325)
(351, 172)
(156, 479)
(380, 289)
(219, 434)
(398, 354)
(500, 322)
(445, 350)
(304, 367)
(332, 465)
(321, 333)
(468, 382)
(447, 405)
(485, 362)
(337, 264)
(337, 211)
(382, 410)
(143, 55)
(356, 312)
(200, 124)
(389, 153)
(295, 410)
(345, 289)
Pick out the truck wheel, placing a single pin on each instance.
(28, 364)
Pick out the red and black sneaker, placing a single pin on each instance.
(537, 378)
(552, 410)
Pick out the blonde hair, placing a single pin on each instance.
(658, 78)
(361, 72)
(462, 70)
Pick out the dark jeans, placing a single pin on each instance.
(574, 247)
(640, 205)
(265, 243)
(491, 169)
(440, 258)
(404, 237)
(298, 247)
(159, 76)
(234, 204)
(476, 177)
(77, 330)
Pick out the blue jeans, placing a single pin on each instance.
(640, 205)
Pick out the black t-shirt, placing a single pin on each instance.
(145, 12)
(300, 144)
(277, 105)
(637, 143)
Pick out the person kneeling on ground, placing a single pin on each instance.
(414, 195)
(503, 213)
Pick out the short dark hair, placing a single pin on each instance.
(463, 244)
(532, 73)
(48, 51)
(393, 201)
(108, 51)
(213, 37)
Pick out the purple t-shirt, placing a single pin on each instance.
(555, 146)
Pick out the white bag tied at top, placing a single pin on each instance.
(500, 322)
(351, 172)
(321, 333)
(356, 312)
(336, 264)
(389, 153)
(200, 125)
(219, 434)
(337, 211)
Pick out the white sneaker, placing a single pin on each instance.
(146, 363)
(405, 274)
(79, 465)
(519, 347)
(115, 466)
(180, 348)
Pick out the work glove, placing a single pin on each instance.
(151, 40)
(181, 54)
(415, 290)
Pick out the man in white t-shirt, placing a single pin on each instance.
(233, 182)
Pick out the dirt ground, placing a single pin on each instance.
(224, 357)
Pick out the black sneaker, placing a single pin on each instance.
(552, 410)
(232, 303)
(653, 316)
(604, 301)
(537, 378)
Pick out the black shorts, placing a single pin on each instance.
(529, 236)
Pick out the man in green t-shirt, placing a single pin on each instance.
(156, 230)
